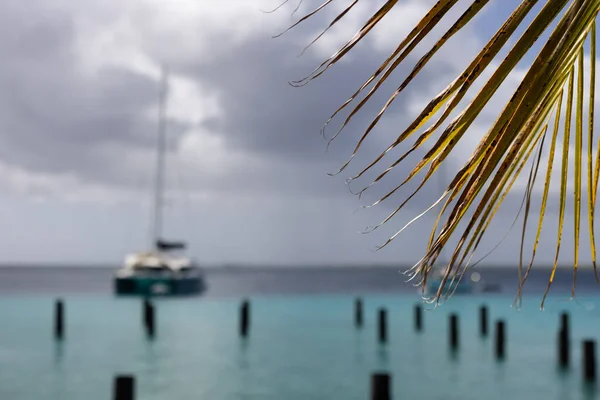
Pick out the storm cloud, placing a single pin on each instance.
(247, 166)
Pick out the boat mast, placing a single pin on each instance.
(160, 162)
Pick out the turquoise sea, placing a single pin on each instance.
(302, 343)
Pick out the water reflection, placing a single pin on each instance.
(588, 391)
(359, 348)
(383, 357)
(563, 382)
(500, 370)
(243, 354)
(59, 352)
(453, 354)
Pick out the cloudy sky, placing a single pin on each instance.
(247, 167)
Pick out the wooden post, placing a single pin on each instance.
(500, 340)
(59, 316)
(453, 331)
(124, 387)
(382, 325)
(564, 320)
(244, 318)
(563, 341)
(150, 320)
(483, 321)
(418, 318)
(381, 387)
(589, 361)
(358, 313)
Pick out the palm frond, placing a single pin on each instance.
(519, 131)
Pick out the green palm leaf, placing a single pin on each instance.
(519, 131)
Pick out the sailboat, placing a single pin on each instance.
(164, 270)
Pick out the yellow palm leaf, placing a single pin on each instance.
(519, 131)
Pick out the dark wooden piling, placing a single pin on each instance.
(483, 321)
(564, 320)
(500, 340)
(59, 319)
(124, 388)
(358, 313)
(382, 325)
(589, 361)
(453, 331)
(150, 320)
(381, 386)
(244, 318)
(563, 341)
(418, 317)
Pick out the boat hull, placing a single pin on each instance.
(158, 286)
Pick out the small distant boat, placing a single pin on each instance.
(159, 272)
(464, 286)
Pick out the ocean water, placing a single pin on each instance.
(302, 342)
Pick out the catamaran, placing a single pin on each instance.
(164, 270)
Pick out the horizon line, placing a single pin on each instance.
(237, 266)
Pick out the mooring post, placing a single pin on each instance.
(483, 321)
(500, 340)
(563, 341)
(382, 325)
(418, 317)
(564, 320)
(381, 386)
(59, 316)
(150, 320)
(358, 313)
(245, 318)
(453, 330)
(589, 361)
(124, 387)
(146, 305)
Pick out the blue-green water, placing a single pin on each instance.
(300, 347)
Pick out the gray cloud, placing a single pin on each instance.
(57, 118)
